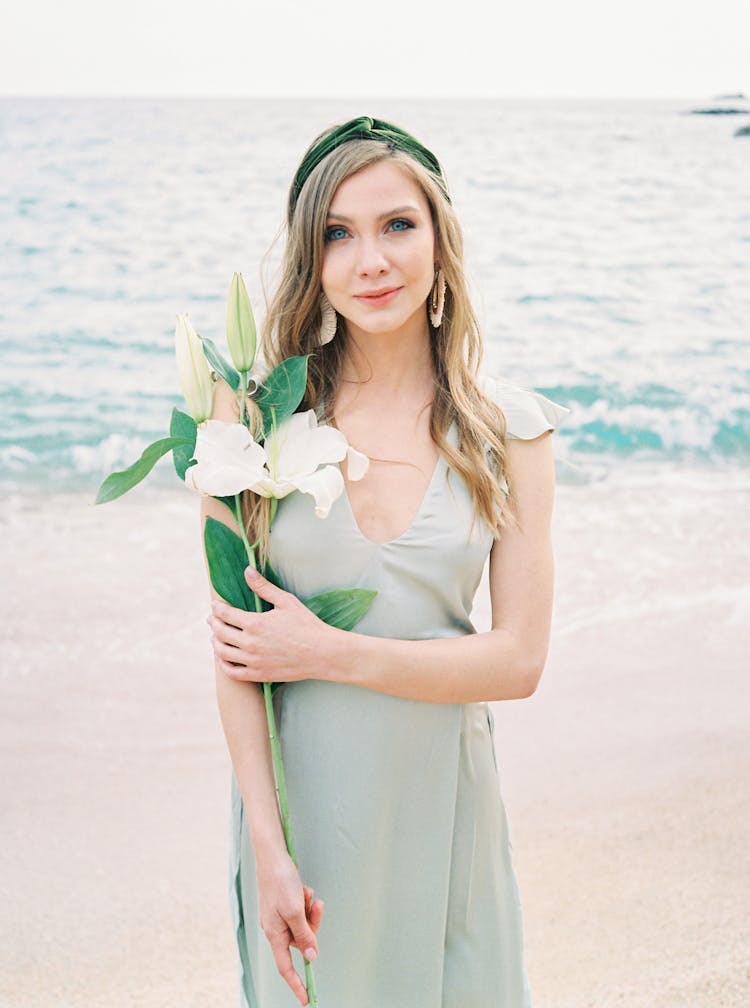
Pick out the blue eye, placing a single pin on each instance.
(401, 224)
(335, 233)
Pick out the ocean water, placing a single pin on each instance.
(608, 247)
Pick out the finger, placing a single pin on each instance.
(315, 915)
(263, 587)
(234, 617)
(225, 632)
(283, 958)
(230, 653)
(309, 893)
(303, 935)
(240, 673)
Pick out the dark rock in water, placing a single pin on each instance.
(730, 97)
(718, 110)
(742, 130)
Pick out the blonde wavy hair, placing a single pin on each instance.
(294, 318)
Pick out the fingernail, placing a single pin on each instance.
(310, 954)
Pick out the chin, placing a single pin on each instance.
(385, 324)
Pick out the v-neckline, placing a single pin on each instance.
(415, 517)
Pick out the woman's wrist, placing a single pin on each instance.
(267, 838)
(341, 655)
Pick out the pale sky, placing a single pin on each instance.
(390, 48)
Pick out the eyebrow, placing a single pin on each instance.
(390, 213)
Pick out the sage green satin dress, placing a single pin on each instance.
(395, 804)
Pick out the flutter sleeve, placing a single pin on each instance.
(528, 414)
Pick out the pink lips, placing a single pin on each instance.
(378, 297)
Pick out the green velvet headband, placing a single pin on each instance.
(364, 128)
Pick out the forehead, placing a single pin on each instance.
(377, 187)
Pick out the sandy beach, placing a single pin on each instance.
(625, 776)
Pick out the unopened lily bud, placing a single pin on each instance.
(241, 338)
(193, 371)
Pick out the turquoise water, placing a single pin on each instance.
(608, 245)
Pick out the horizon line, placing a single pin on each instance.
(723, 96)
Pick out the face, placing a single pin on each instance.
(379, 258)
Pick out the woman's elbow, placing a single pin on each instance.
(528, 682)
(528, 674)
(519, 671)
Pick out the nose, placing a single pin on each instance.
(371, 259)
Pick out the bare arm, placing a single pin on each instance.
(241, 705)
(504, 663)
(243, 718)
(288, 914)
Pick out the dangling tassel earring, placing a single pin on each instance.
(328, 321)
(437, 299)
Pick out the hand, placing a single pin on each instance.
(285, 644)
(289, 917)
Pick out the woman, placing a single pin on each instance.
(385, 732)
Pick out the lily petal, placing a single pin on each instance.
(319, 446)
(266, 486)
(298, 446)
(357, 464)
(325, 485)
(228, 459)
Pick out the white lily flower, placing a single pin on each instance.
(229, 461)
(193, 371)
(297, 450)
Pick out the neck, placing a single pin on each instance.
(396, 363)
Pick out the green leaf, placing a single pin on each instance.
(118, 483)
(219, 365)
(342, 607)
(282, 391)
(227, 560)
(182, 425)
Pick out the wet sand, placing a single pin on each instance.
(625, 775)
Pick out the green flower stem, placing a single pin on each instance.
(278, 766)
(243, 401)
